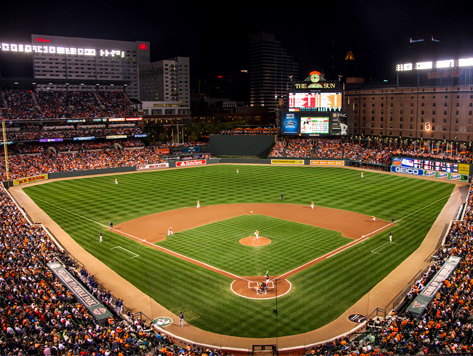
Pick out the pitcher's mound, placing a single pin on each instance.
(253, 241)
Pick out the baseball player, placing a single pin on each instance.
(111, 225)
(373, 219)
(257, 234)
(198, 204)
(390, 237)
(237, 171)
(361, 174)
(267, 277)
(116, 180)
(170, 231)
(312, 204)
(100, 237)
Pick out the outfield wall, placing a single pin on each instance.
(315, 162)
(241, 145)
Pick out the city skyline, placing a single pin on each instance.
(216, 38)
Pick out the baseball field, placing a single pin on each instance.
(323, 260)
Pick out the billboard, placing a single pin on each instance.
(290, 124)
(339, 124)
(315, 101)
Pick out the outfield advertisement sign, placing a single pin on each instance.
(30, 179)
(194, 162)
(421, 302)
(321, 162)
(407, 170)
(287, 161)
(430, 174)
(152, 166)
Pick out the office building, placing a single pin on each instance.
(165, 87)
(82, 63)
(271, 69)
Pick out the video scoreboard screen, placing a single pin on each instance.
(315, 125)
(317, 101)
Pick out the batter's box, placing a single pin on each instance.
(255, 285)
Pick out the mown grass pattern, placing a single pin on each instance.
(292, 244)
(84, 207)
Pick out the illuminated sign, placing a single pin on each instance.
(323, 85)
(143, 46)
(321, 101)
(46, 49)
(446, 63)
(315, 125)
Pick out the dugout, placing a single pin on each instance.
(241, 145)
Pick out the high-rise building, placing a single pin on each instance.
(165, 86)
(271, 70)
(82, 63)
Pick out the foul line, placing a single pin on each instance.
(69, 211)
(124, 249)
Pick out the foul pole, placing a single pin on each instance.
(5, 149)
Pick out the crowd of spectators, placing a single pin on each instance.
(22, 104)
(34, 133)
(368, 151)
(39, 316)
(18, 104)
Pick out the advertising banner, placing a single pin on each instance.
(407, 170)
(287, 161)
(152, 166)
(430, 173)
(30, 179)
(321, 162)
(290, 124)
(191, 149)
(463, 168)
(195, 162)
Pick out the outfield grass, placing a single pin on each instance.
(84, 207)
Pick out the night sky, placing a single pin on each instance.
(215, 37)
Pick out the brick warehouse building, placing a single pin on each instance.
(430, 100)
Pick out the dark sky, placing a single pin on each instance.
(215, 37)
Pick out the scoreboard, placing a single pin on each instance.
(315, 101)
(315, 125)
(432, 165)
(314, 107)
